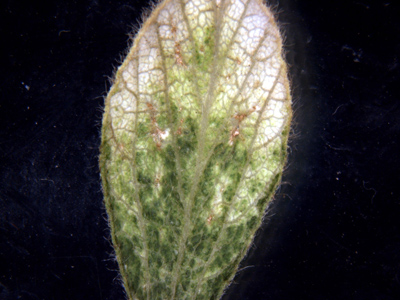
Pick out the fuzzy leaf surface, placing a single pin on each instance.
(194, 142)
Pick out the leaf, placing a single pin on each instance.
(194, 141)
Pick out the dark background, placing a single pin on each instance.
(333, 230)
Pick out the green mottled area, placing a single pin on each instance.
(204, 50)
(187, 177)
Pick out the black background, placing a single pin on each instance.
(333, 230)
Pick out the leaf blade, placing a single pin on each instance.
(193, 145)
